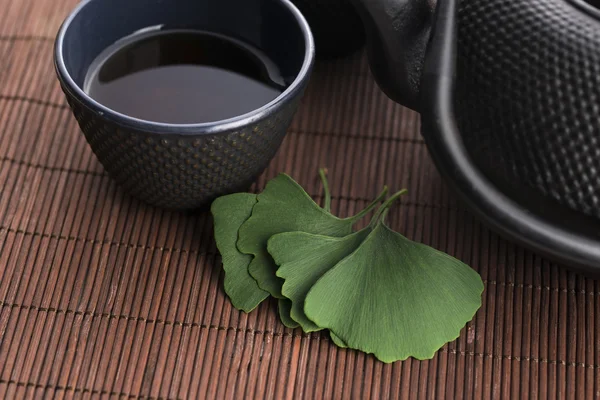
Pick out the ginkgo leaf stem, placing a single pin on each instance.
(371, 206)
(325, 182)
(385, 207)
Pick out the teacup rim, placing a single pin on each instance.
(213, 127)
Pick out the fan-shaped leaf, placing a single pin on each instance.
(229, 213)
(395, 298)
(337, 340)
(284, 306)
(303, 258)
(285, 207)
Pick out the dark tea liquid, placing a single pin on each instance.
(183, 77)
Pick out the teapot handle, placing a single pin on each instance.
(446, 146)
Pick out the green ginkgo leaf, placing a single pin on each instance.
(395, 298)
(303, 258)
(285, 207)
(229, 213)
(284, 306)
(337, 340)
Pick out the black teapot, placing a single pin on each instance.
(509, 96)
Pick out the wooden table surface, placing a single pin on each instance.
(101, 295)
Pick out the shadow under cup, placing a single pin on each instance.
(184, 166)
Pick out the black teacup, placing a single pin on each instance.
(183, 166)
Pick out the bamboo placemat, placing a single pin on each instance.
(101, 295)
